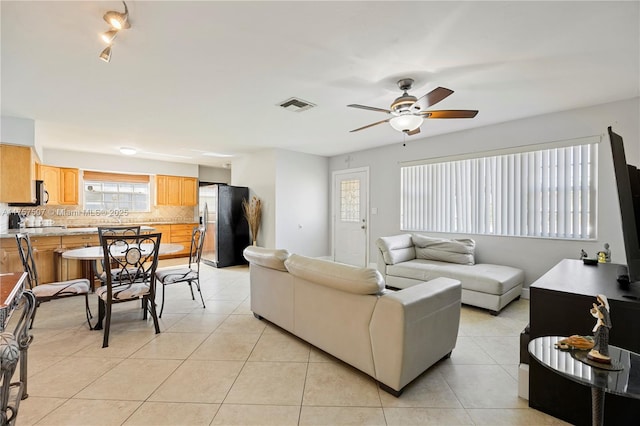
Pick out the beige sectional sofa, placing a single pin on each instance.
(393, 336)
(406, 260)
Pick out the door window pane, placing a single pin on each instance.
(350, 200)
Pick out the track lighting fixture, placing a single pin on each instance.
(108, 36)
(105, 55)
(118, 21)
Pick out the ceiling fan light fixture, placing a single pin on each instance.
(118, 20)
(406, 122)
(105, 55)
(128, 151)
(108, 36)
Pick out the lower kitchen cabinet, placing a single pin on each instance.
(176, 233)
(181, 234)
(9, 257)
(68, 269)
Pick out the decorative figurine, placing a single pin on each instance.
(600, 351)
(583, 254)
(602, 257)
(607, 253)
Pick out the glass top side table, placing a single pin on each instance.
(625, 382)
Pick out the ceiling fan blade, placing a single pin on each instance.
(431, 98)
(369, 108)
(450, 113)
(414, 132)
(370, 125)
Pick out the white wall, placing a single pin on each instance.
(302, 203)
(116, 163)
(17, 131)
(258, 172)
(294, 190)
(535, 256)
(214, 174)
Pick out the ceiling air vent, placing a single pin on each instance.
(296, 105)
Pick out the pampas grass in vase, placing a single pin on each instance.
(253, 213)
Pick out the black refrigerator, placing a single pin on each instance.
(227, 230)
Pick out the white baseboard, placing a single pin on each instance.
(525, 293)
(523, 381)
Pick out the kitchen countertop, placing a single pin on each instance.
(58, 231)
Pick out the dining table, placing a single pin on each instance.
(90, 254)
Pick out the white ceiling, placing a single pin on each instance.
(205, 76)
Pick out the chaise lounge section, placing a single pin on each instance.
(393, 336)
(405, 260)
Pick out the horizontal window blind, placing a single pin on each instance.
(114, 177)
(544, 193)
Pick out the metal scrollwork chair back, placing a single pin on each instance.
(189, 274)
(49, 291)
(111, 231)
(130, 263)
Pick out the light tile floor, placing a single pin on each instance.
(221, 366)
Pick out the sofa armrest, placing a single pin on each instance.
(381, 264)
(413, 328)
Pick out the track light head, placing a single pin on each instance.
(105, 55)
(108, 36)
(118, 20)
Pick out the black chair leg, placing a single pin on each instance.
(154, 315)
(193, 297)
(200, 291)
(89, 316)
(105, 340)
(101, 309)
(162, 307)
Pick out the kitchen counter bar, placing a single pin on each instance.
(57, 231)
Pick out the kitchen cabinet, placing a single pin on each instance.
(181, 234)
(9, 257)
(61, 183)
(176, 233)
(69, 186)
(176, 190)
(44, 254)
(17, 174)
(68, 269)
(189, 192)
(51, 177)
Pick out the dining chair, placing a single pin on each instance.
(130, 263)
(49, 291)
(113, 230)
(189, 274)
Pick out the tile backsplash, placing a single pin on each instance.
(76, 216)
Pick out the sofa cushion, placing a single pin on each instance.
(336, 275)
(270, 258)
(482, 277)
(453, 251)
(396, 249)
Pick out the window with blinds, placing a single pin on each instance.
(549, 193)
(114, 192)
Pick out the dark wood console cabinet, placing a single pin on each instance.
(559, 305)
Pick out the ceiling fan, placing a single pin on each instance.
(408, 112)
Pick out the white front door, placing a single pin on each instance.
(350, 219)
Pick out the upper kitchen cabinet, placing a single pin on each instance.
(176, 191)
(61, 184)
(17, 174)
(68, 186)
(51, 177)
(189, 191)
